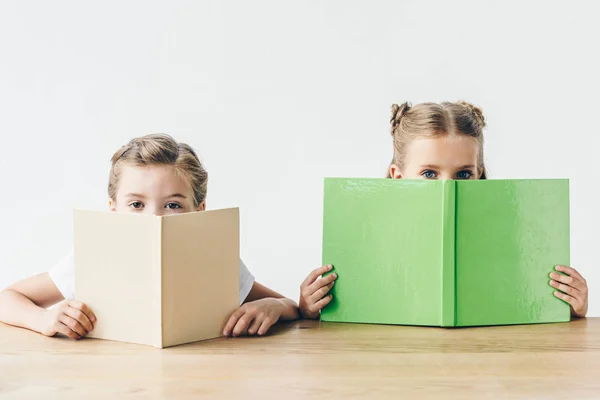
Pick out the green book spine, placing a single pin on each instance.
(448, 254)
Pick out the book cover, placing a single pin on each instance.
(159, 281)
(445, 253)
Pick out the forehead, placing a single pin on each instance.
(446, 150)
(152, 180)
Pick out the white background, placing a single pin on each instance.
(276, 95)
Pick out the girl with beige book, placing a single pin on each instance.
(154, 175)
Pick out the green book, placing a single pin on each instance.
(445, 253)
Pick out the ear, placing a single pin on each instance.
(112, 206)
(395, 172)
(202, 206)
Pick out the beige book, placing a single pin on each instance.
(159, 281)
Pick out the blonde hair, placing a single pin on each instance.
(432, 120)
(160, 149)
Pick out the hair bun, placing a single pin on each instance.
(398, 111)
(476, 111)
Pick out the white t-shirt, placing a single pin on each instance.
(63, 276)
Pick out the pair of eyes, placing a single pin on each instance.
(138, 205)
(461, 175)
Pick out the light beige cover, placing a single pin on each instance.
(159, 281)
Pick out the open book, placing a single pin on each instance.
(445, 253)
(159, 281)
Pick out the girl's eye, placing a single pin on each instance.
(136, 205)
(464, 175)
(429, 174)
(173, 206)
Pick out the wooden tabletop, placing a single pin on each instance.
(313, 360)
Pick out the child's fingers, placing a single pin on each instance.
(242, 325)
(264, 327)
(319, 305)
(322, 282)
(319, 294)
(65, 330)
(75, 304)
(565, 288)
(568, 280)
(254, 326)
(315, 274)
(72, 324)
(89, 313)
(80, 317)
(84, 309)
(232, 321)
(571, 271)
(565, 297)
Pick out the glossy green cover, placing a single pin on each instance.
(445, 253)
(509, 236)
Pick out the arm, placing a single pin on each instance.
(262, 308)
(258, 292)
(24, 304)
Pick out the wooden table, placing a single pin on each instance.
(312, 360)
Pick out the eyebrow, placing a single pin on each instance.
(178, 195)
(437, 166)
(141, 196)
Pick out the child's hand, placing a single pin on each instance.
(572, 288)
(71, 318)
(255, 317)
(313, 292)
